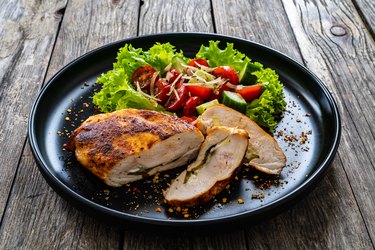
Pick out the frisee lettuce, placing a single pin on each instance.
(118, 93)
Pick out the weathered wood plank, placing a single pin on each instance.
(171, 16)
(292, 229)
(27, 31)
(46, 220)
(183, 240)
(256, 21)
(367, 10)
(37, 218)
(336, 46)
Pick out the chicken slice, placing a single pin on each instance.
(263, 152)
(219, 158)
(129, 144)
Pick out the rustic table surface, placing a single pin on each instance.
(334, 39)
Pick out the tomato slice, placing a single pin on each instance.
(249, 93)
(190, 106)
(174, 75)
(198, 61)
(190, 119)
(203, 92)
(175, 103)
(161, 91)
(228, 73)
(143, 77)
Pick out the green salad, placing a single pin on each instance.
(165, 80)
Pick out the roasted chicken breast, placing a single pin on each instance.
(126, 145)
(219, 158)
(263, 151)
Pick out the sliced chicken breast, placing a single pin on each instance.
(129, 144)
(263, 152)
(218, 160)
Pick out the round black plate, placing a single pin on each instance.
(309, 135)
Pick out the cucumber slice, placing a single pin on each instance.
(201, 108)
(234, 101)
(246, 78)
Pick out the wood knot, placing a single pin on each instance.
(60, 12)
(337, 30)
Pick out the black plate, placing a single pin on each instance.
(65, 101)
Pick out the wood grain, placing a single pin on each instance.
(345, 59)
(292, 229)
(25, 48)
(175, 16)
(366, 8)
(35, 211)
(37, 218)
(256, 22)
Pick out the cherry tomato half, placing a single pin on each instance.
(198, 61)
(190, 106)
(228, 73)
(174, 75)
(249, 93)
(161, 91)
(143, 76)
(202, 92)
(175, 103)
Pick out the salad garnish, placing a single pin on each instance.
(165, 80)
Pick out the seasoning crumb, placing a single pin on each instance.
(240, 201)
(158, 209)
(224, 200)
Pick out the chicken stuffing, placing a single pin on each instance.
(127, 145)
(263, 152)
(219, 158)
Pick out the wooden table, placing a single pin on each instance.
(335, 39)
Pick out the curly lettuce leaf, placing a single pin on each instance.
(129, 59)
(223, 57)
(265, 110)
(161, 55)
(117, 93)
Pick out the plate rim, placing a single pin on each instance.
(68, 193)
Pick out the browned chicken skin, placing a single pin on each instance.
(128, 144)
